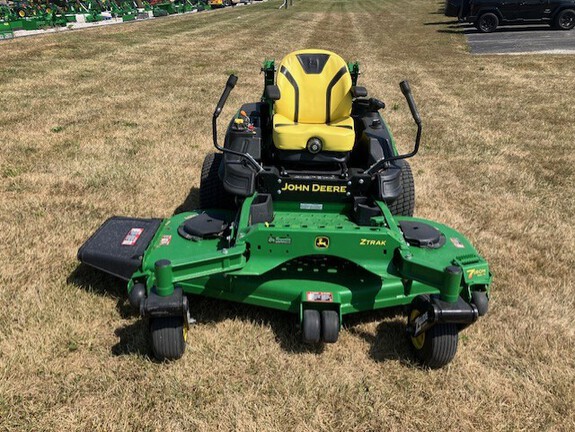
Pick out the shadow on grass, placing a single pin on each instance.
(454, 27)
(284, 325)
(440, 9)
(191, 202)
(467, 29)
(97, 282)
(133, 339)
(390, 341)
(436, 23)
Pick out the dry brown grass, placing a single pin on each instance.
(116, 121)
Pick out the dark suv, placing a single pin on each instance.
(452, 7)
(486, 15)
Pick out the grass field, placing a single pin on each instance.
(117, 121)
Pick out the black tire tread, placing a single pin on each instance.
(167, 338)
(311, 326)
(478, 26)
(556, 19)
(212, 192)
(441, 340)
(329, 326)
(442, 346)
(404, 205)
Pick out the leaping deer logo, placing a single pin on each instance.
(322, 242)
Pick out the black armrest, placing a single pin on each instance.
(273, 92)
(357, 91)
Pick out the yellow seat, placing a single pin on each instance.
(315, 102)
(337, 136)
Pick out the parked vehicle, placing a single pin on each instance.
(452, 7)
(487, 15)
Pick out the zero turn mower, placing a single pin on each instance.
(307, 207)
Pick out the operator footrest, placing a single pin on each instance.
(202, 226)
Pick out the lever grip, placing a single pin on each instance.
(232, 80)
(406, 90)
(404, 86)
(230, 84)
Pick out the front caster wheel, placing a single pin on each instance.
(169, 336)
(329, 326)
(435, 347)
(311, 326)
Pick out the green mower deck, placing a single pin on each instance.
(378, 261)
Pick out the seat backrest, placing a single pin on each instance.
(314, 87)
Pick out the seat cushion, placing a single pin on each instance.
(314, 87)
(337, 136)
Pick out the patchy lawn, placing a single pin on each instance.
(117, 121)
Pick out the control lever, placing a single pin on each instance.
(230, 84)
(406, 90)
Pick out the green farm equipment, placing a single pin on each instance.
(35, 16)
(39, 14)
(164, 9)
(185, 6)
(307, 208)
(12, 17)
(125, 10)
(168, 7)
(202, 5)
(27, 16)
(6, 31)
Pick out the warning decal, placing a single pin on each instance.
(165, 240)
(322, 297)
(132, 237)
(457, 243)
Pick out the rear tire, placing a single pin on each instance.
(437, 346)
(487, 22)
(212, 192)
(405, 203)
(565, 20)
(329, 326)
(311, 326)
(168, 337)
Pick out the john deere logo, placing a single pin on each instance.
(322, 242)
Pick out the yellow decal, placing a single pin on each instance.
(322, 242)
(370, 242)
(476, 272)
(290, 187)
